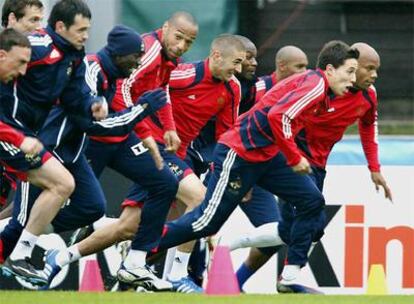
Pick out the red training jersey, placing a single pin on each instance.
(272, 124)
(9, 135)
(153, 73)
(322, 130)
(197, 96)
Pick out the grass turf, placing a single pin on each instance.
(16, 297)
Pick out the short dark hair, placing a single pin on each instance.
(10, 38)
(66, 11)
(16, 7)
(335, 52)
(227, 43)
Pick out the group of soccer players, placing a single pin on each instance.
(134, 107)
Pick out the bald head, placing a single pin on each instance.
(178, 34)
(181, 16)
(366, 52)
(290, 60)
(368, 65)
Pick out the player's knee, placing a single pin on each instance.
(127, 231)
(65, 186)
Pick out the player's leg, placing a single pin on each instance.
(191, 192)
(57, 184)
(231, 179)
(261, 209)
(309, 216)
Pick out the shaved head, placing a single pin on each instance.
(289, 53)
(178, 34)
(368, 65)
(227, 43)
(248, 44)
(182, 16)
(290, 60)
(366, 52)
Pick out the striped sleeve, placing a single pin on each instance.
(10, 135)
(182, 76)
(368, 131)
(129, 84)
(283, 117)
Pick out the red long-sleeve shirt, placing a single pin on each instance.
(153, 73)
(322, 130)
(197, 96)
(271, 125)
(10, 135)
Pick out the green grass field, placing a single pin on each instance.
(16, 297)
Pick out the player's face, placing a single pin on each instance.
(177, 38)
(342, 78)
(13, 63)
(77, 33)
(367, 72)
(229, 64)
(249, 65)
(127, 64)
(31, 21)
(297, 65)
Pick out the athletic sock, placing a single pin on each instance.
(135, 259)
(243, 274)
(180, 265)
(290, 273)
(263, 236)
(103, 222)
(24, 246)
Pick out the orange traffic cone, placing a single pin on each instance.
(221, 277)
(91, 279)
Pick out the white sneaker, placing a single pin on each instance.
(144, 277)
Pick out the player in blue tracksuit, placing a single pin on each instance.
(55, 74)
(125, 157)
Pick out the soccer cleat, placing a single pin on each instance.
(51, 268)
(25, 270)
(295, 288)
(144, 277)
(80, 234)
(185, 285)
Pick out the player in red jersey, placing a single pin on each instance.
(260, 206)
(200, 91)
(249, 154)
(320, 133)
(289, 60)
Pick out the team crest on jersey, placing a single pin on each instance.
(69, 70)
(221, 101)
(175, 169)
(359, 111)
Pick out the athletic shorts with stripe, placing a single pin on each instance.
(85, 205)
(18, 163)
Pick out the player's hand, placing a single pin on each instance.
(31, 146)
(172, 141)
(153, 100)
(152, 147)
(303, 167)
(379, 181)
(248, 196)
(99, 110)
